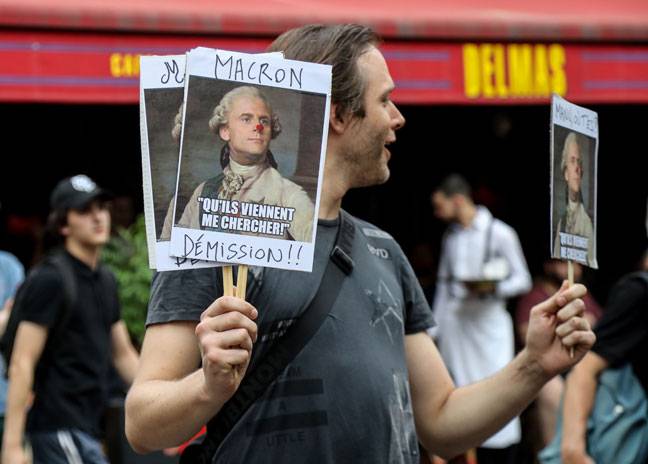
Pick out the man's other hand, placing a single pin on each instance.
(558, 335)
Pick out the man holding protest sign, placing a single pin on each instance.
(67, 334)
(370, 380)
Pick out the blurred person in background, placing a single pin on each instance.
(64, 343)
(481, 266)
(12, 274)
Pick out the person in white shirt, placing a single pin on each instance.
(481, 266)
(575, 219)
(245, 121)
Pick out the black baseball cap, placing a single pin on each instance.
(76, 192)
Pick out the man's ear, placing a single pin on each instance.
(64, 231)
(338, 124)
(224, 133)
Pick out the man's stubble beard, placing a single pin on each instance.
(363, 160)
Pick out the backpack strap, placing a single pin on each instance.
(62, 265)
(283, 352)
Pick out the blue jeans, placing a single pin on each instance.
(67, 446)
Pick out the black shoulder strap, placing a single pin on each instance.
(62, 265)
(643, 275)
(284, 351)
(487, 245)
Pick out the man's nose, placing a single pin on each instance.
(398, 118)
(95, 212)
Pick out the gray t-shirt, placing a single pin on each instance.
(345, 398)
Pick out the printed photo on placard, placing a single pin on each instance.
(251, 160)
(574, 154)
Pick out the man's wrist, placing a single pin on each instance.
(530, 369)
(11, 440)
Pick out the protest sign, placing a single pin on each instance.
(574, 155)
(253, 143)
(162, 81)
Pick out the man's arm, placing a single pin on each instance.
(580, 390)
(171, 398)
(450, 420)
(124, 355)
(28, 347)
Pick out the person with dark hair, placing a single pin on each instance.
(370, 381)
(244, 120)
(481, 266)
(575, 220)
(66, 339)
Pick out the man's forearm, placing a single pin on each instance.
(21, 381)
(580, 390)
(475, 412)
(163, 413)
(126, 365)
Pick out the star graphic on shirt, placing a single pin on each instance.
(387, 310)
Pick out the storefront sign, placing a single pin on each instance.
(104, 68)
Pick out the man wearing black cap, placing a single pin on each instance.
(68, 370)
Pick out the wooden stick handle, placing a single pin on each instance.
(241, 281)
(570, 280)
(228, 281)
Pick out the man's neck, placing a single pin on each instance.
(467, 214)
(574, 196)
(334, 187)
(89, 255)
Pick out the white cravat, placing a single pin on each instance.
(239, 177)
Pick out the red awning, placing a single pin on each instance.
(556, 20)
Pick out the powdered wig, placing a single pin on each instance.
(221, 112)
(572, 138)
(177, 124)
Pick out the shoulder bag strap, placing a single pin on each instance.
(284, 351)
(62, 265)
(488, 244)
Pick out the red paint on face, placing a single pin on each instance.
(259, 128)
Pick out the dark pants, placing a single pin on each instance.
(67, 446)
(498, 455)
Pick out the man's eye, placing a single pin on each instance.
(264, 121)
(245, 119)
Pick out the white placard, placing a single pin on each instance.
(574, 159)
(161, 94)
(252, 156)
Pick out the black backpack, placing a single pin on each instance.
(64, 269)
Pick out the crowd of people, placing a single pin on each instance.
(384, 378)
